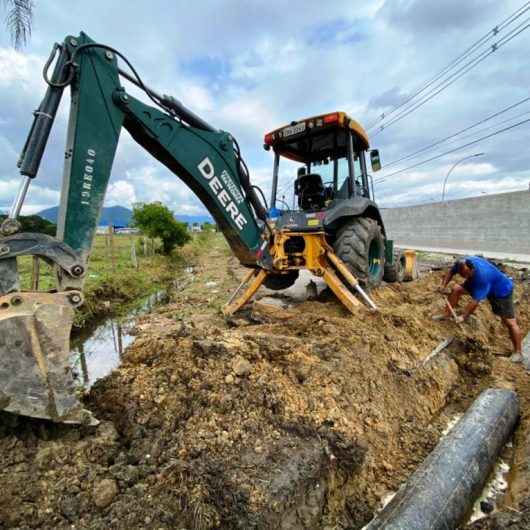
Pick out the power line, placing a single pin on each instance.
(514, 16)
(453, 150)
(490, 127)
(490, 34)
(457, 75)
(447, 138)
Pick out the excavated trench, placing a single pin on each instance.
(291, 415)
(97, 349)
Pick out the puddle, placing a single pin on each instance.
(492, 494)
(96, 351)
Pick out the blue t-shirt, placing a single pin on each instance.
(487, 281)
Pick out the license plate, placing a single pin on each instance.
(294, 129)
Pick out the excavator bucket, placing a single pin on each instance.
(35, 374)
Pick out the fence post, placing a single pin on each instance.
(111, 245)
(134, 259)
(35, 272)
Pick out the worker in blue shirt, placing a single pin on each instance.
(484, 280)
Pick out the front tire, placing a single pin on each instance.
(361, 245)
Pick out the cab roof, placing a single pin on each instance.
(317, 137)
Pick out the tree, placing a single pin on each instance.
(156, 220)
(19, 19)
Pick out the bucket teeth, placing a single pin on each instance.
(35, 374)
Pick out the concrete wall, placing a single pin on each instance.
(496, 224)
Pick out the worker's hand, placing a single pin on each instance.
(442, 289)
(460, 319)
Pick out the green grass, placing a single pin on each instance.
(112, 283)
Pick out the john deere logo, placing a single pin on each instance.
(223, 197)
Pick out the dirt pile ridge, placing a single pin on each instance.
(304, 417)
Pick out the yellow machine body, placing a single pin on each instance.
(312, 252)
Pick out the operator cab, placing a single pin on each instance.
(331, 150)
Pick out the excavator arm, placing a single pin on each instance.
(35, 374)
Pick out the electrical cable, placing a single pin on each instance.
(447, 138)
(285, 203)
(458, 148)
(456, 75)
(493, 32)
(490, 127)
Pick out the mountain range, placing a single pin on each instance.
(120, 216)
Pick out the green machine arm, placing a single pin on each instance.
(208, 161)
(35, 378)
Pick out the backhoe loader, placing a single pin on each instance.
(335, 230)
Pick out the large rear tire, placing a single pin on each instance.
(278, 282)
(361, 245)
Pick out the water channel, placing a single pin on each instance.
(97, 350)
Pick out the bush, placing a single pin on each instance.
(157, 221)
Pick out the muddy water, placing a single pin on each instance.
(492, 495)
(97, 350)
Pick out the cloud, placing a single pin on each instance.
(247, 68)
(432, 191)
(19, 70)
(391, 98)
(434, 17)
(153, 183)
(120, 193)
(38, 197)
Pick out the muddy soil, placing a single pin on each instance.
(296, 417)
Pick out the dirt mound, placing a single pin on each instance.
(304, 417)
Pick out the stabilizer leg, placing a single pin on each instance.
(258, 277)
(350, 278)
(340, 290)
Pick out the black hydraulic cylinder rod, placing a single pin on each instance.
(31, 156)
(176, 106)
(442, 490)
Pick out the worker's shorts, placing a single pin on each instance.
(502, 307)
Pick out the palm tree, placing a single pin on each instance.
(18, 20)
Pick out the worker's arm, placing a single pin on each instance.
(479, 290)
(469, 310)
(447, 278)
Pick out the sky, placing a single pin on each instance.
(248, 67)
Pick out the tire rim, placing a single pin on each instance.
(374, 259)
